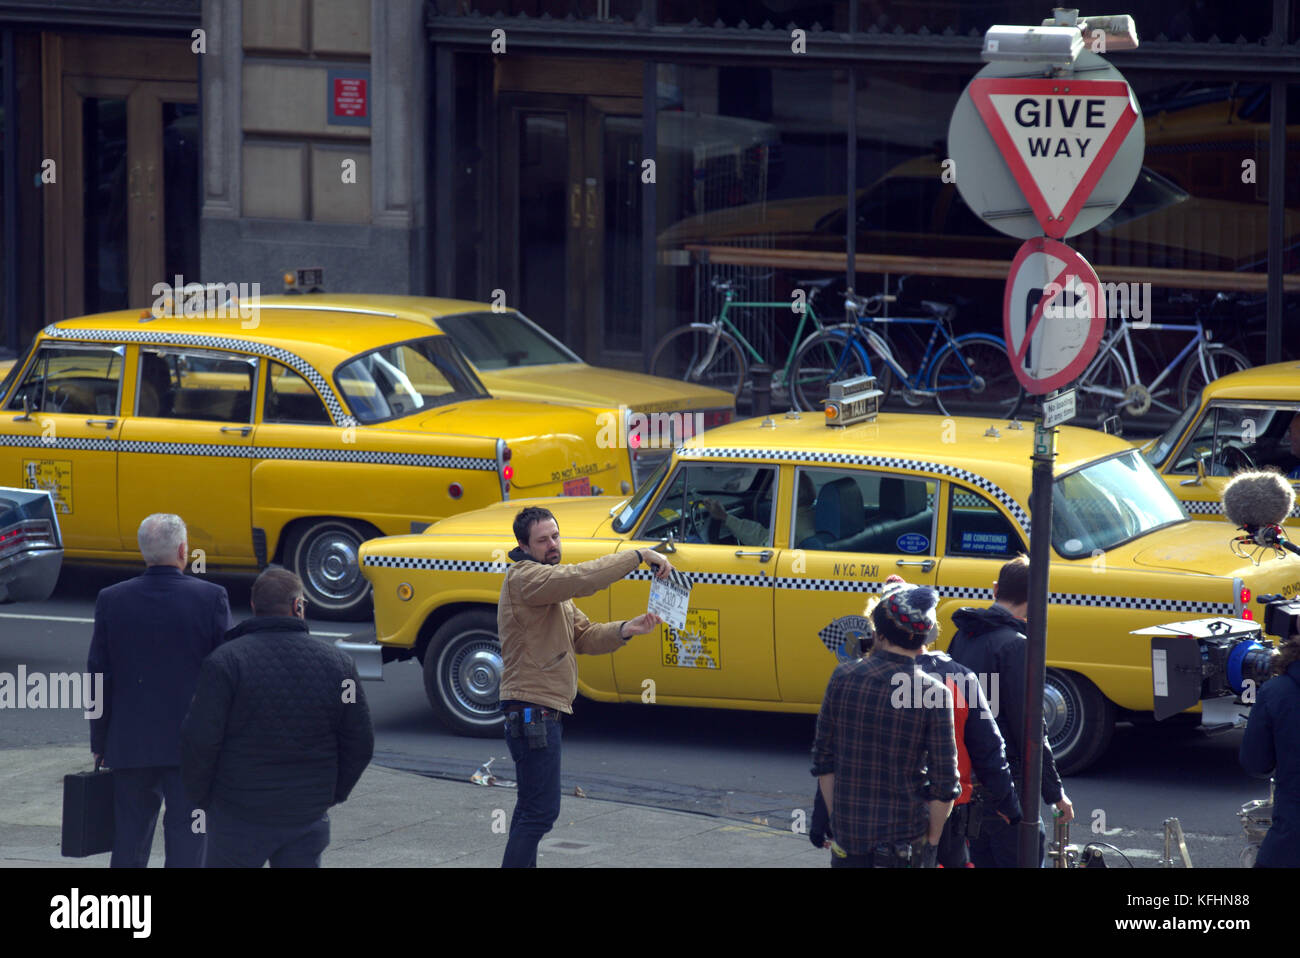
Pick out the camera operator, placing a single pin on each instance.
(1271, 746)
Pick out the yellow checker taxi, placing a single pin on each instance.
(1246, 420)
(817, 516)
(283, 433)
(516, 359)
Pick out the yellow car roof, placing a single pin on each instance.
(1276, 381)
(906, 440)
(325, 330)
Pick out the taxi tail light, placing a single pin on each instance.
(718, 417)
(505, 471)
(1245, 595)
(28, 534)
(1248, 615)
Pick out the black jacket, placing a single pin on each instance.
(150, 638)
(979, 742)
(1271, 745)
(992, 642)
(279, 729)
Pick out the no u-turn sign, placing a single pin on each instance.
(1053, 315)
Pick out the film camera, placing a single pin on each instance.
(1212, 661)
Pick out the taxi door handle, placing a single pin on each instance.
(242, 430)
(925, 564)
(763, 554)
(106, 423)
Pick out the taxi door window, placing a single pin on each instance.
(858, 511)
(727, 504)
(977, 529)
(195, 384)
(1229, 438)
(290, 399)
(77, 380)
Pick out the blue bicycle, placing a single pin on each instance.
(965, 375)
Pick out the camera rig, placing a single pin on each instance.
(1214, 661)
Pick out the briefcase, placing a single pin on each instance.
(87, 813)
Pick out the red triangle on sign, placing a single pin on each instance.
(1057, 135)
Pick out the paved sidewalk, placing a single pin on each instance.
(400, 819)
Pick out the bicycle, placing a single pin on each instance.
(714, 353)
(1114, 382)
(967, 374)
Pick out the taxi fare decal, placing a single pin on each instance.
(252, 452)
(53, 476)
(889, 462)
(696, 646)
(292, 360)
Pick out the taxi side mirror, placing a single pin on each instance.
(27, 410)
(1200, 471)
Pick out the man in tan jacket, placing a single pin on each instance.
(541, 631)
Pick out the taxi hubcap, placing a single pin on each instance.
(332, 568)
(1056, 712)
(474, 672)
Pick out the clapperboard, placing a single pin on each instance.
(670, 597)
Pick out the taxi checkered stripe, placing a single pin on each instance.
(837, 585)
(219, 451)
(714, 578)
(292, 360)
(441, 565)
(1216, 508)
(1142, 602)
(851, 458)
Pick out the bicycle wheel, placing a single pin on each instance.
(1100, 393)
(972, 376)
(701, 353)
(1219, 361)
(824, 358)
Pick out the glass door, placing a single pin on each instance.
(571, 217)
(132, 219)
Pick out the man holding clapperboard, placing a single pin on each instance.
(541, 631)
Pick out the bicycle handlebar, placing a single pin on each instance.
(866, 304)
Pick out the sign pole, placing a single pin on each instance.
(1040, 560)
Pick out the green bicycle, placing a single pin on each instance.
(717, 354)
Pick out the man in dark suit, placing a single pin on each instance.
(151, 635)
(278, 732)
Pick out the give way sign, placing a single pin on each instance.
(1053, 315)
(1058, 136)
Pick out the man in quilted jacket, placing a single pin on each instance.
(277, 733)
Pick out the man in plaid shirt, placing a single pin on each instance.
(885, 755)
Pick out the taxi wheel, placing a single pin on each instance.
(323, 553)
(1080, 720)
(462, 674)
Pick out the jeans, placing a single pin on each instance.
(996, 845)
(137, 795)
(537, 806)
(238, 844)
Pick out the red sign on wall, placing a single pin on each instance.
(350, 97)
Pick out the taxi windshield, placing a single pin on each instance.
(15, 369)
(404, 378)
(500, 340)
(1161, 448)
(628, 515)
(1108, 503)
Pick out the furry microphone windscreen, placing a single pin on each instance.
(1260, 498)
